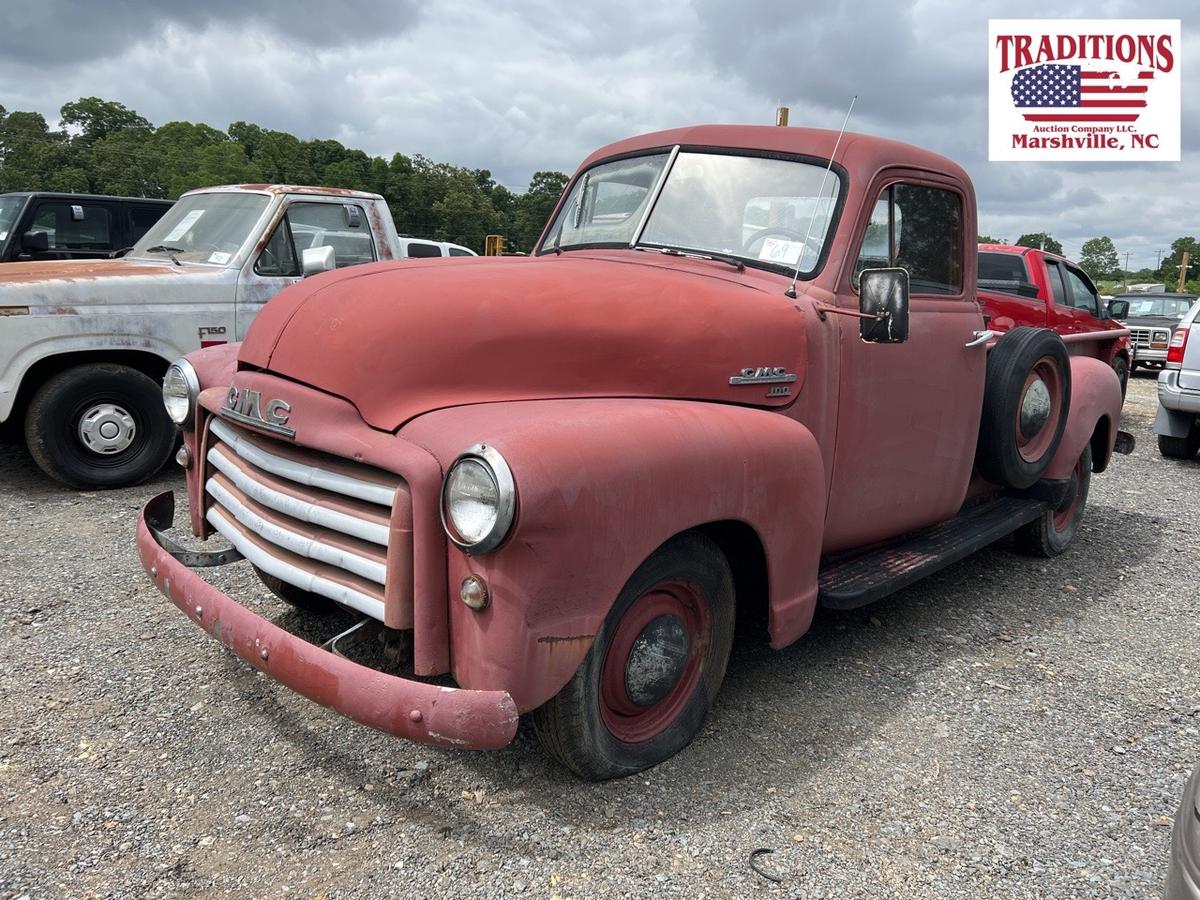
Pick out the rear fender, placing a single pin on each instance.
(600, 485)
(1095, 416)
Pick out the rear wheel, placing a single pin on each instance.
(1052, 532)
(99, 426)
(1180, 447)
(646, 685)
(1121, 367)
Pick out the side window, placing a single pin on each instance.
(73, 226)
(455, 251)
(279, 256)
(1082, 295)
(423, 249)
(876, 250)
(308, 225)
(921, 229)
(1056, 285)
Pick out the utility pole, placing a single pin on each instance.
(1158, 261)
(1126, 279)
(781, 116)
(1183, 267)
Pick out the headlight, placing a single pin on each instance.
(479, 499)
(181, 387)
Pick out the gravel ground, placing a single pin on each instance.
(1011, 728)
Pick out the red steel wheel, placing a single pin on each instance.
(1040, 405)
(654, 668)
(654, 660)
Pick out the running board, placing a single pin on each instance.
(849, 583)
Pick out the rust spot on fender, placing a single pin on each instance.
(554, 640)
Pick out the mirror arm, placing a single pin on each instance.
(823, 308)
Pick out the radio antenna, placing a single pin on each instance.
(791, 291)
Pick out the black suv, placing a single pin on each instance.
(72, 226)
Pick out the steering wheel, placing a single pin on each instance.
(809, 242)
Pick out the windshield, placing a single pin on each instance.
(10, 208)
(203, 228)
(1161, 307)
(767, 212)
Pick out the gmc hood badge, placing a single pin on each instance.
(763, 375)
(246, 406)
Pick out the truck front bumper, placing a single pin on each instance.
(1174, 397)
(450, 717)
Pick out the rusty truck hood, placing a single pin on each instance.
(63, 282)
(404, 338)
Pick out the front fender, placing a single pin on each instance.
(601, 484)
(1095, 413)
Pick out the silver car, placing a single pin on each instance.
(1183, 873)
(1178, 421)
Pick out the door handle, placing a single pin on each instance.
(981, 337)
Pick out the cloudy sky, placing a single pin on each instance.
(536, 85)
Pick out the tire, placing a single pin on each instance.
(1052, 532)
(1133, 367)
(297, 597)
(1121, 367)
(1022, 423)
(597, 725)
(1180, 447)
(99, 426)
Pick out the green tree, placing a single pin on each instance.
(1168, 272)
(96, 118)
(988, 239)
(1040, 240)
(533, 207)
(1099, 258)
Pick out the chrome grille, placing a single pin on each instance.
(1140, 337)
(317, 522)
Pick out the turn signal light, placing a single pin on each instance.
(1178, 345)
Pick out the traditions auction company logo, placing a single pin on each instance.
(1083, 89)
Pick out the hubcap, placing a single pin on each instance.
(106, 429)
(656, 660)
(1035, 408)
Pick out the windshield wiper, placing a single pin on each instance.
(171, 251)
(694, 254)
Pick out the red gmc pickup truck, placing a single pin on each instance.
(744, 367)
(1022, 286)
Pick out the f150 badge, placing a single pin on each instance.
(774, 375)
(246, 406)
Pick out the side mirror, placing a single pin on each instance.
(316, 260)
(35, 241)
(1118, 309)
(883, 295)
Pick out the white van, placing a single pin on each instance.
(418, 247)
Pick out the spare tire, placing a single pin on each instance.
(1025, 401)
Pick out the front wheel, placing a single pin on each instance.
(99, 426)
(655, 667)
(1052, 532)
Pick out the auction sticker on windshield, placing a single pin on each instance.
(1084, 89)
(184, 225)
(775, 250)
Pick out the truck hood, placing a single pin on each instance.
(57, 283)
(403, 338)
(1170, 323)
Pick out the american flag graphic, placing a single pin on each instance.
(1076, 94)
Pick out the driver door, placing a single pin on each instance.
(908, 413)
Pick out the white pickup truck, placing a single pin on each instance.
(84, 344)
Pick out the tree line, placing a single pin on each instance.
(1100, 258)
(103, 147)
